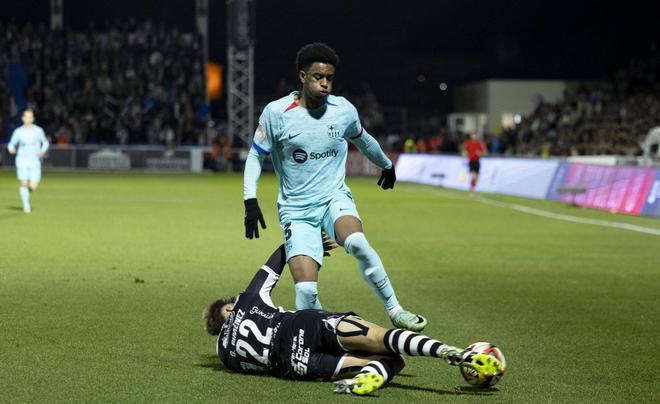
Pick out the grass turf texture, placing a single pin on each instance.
(102, 289)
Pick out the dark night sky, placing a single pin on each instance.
(389, 43)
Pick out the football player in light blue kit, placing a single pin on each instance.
(32, 145)
(306, 134)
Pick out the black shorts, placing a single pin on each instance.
(306, 346)
(474, 166)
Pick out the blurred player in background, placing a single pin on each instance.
(306, 134)
(474, 148)
(254, 336)
(32, 145)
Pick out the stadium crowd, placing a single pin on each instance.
(122, 82)
(608, 117)
(129, 82)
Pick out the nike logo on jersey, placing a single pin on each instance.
(292, 136)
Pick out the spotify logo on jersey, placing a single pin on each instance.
(299, 156)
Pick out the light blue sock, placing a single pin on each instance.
(307, 296)
(372, 270)
(25, 197)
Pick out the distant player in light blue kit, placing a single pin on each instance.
(33, 144)
(306, 134)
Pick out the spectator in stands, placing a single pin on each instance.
(421, 146)
(607, 117)
(409, 146)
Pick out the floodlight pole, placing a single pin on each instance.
(240, 69)
(202, 23)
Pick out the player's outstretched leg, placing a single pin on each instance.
(410, 343)
(374, 274)
(358, 335)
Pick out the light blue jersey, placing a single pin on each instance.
(308, 147)
(309, 150)
(30, 141)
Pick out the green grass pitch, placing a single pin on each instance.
(102, 288)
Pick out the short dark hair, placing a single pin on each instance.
(213, 319)
(315, 52)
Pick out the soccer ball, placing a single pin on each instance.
(472, 377)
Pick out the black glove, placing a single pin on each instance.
(252, 214)
(387, 178)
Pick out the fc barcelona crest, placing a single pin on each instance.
(333, 131)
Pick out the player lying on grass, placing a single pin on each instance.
(254, 336)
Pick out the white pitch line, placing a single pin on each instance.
(569, 218)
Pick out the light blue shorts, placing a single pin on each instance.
(302, 225)
(29, 172)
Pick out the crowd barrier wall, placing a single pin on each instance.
(621, 189)
(119, 158)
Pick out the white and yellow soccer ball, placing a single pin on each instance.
(472, 376)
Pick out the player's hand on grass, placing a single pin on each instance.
(387, 178)
(252, 215)
(328, 244)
